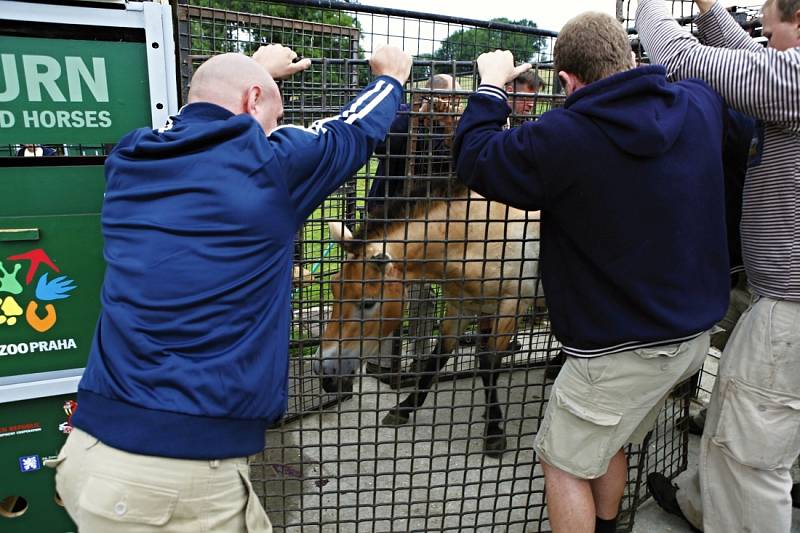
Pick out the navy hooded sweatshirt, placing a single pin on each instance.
(190, 356)
(629, 179)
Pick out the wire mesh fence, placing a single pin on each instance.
(421, 351)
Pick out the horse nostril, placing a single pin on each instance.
(336, 385)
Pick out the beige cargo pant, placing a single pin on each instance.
(108, 490)
(752, 432)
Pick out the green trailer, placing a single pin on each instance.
(70, 76)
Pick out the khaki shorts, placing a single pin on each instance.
(597, 405)
(109, 490)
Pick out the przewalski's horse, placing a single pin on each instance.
(485, 257)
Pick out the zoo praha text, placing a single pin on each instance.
(31, 347)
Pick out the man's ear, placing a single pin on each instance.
(253, 100)
(570, 82)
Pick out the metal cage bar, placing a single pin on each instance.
(431, 262)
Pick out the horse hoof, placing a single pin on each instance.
(394, 419)
(495, 445)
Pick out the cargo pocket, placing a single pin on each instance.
(758, 428)
(127, 501)
(256, 518)
(579, 435)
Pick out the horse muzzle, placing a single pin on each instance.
(336, 372)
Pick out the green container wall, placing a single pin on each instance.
(49, 212)
(50, 227)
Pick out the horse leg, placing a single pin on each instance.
(422, 316)
(399, 415)
(451, 330)
(495, 439)
(489, 363)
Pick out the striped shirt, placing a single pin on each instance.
(762, 83)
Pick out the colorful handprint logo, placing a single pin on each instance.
(46, 290)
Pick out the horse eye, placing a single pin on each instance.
(366, 305)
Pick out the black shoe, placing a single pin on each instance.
(697, 423)
(796, 495)
(663, 492)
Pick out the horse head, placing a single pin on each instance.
(367, 307)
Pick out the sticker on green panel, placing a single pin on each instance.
(15, 430)
(30, 463)
(26, 428)
(69, 409)
(31, 434)
(40, 300)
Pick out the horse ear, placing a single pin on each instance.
(339, 232)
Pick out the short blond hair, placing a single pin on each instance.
(592, 46)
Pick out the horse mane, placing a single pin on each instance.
(421, 194)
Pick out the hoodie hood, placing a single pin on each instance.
(641, 112)
(197, 127)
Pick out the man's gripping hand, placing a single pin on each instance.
(279, 61)
(391, 61)
(497, 68)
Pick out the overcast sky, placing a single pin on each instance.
(547, 14)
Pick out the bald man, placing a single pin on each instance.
(189, 363)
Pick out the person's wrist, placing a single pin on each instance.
(493, 81)
(395, 76)
(705, 6)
